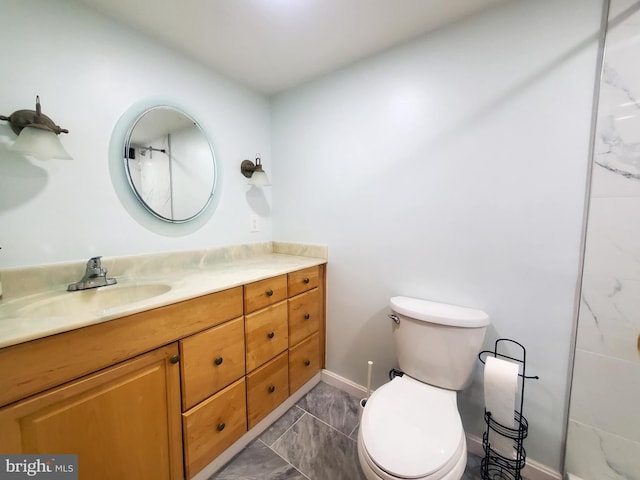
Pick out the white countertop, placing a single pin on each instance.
(56, 310)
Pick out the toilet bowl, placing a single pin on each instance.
(411, 427)
(411, 430)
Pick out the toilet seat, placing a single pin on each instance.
(412, 430)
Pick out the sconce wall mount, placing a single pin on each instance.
(32, 118)
(37, 134)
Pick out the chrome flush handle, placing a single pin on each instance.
(395, 318)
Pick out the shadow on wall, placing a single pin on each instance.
(20, 179)
(257, 201)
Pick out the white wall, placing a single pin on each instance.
(454, 169)
(604, 425)
(88, 71)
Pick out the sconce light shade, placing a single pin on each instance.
(37, 134)
(40, 143)
(254, 172)
(259, 179)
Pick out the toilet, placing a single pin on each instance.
(411, 427)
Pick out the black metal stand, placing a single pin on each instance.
(496, 466)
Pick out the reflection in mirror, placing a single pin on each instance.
(170, 164)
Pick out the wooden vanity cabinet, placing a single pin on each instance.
(123, 422)
(111, 392)
(277, 344)
(161, 393)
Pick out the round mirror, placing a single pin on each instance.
(170, 164)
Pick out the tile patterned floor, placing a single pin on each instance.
(313, 440)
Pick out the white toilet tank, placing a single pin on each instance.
(437, 343)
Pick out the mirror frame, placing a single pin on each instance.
(121, 182)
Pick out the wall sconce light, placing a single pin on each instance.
(37, 134)
(254, 172)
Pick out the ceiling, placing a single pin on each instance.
(273, 45)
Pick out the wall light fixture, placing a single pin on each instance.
(254, 172)
(37, 134)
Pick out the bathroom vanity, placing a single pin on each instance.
(168, 388)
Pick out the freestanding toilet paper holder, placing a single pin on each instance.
(497, 466)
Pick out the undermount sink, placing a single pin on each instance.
(95, 299)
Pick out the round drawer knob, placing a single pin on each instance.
(269, 293)
(305, 281)
(220, 427)
(307, 362)
(307, 316)
(271, 334)
(272, 389)
(218, 361)
(175, 359)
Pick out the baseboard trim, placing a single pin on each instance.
(531, 471)
(344, 384)
(573, 476)
(255, 432)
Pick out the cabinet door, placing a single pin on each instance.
(123, 422)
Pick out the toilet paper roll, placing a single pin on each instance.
(500, 389)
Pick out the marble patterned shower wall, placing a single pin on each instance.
(604, 426)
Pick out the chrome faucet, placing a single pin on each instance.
(94, 276)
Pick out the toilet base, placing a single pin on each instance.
(373, 472)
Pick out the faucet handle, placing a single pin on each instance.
(95, 266)
(94, 262)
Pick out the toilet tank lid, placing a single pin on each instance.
(442, 313)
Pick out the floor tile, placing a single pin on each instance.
(319, 451)
(281, 425)
(257, 462)
(472, 472)
(333, 406)
(354, 434)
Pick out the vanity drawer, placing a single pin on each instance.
(213, 425)
(304, 362)
(211, 360)
(303, 280)
(266, 292)
(266, 334)
(304, 315)
(267, 387)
